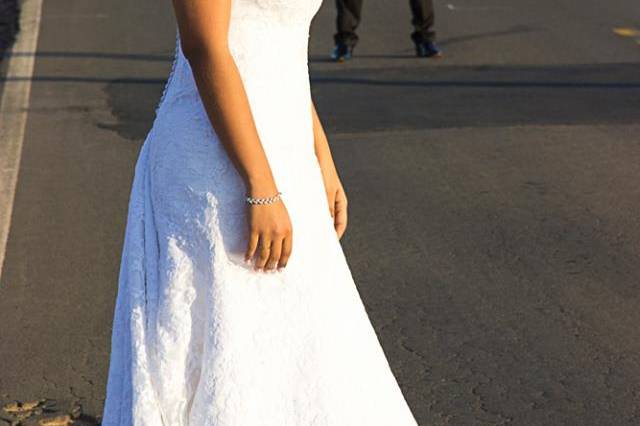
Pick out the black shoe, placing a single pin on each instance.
(427, 49)
(342, 52)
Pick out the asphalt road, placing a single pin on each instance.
(494, 231)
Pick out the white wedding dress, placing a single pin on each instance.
(199, 338)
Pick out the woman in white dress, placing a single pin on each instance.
(235, 305)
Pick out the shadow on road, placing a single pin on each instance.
(415, 98)
(92, 55)
(423, 97)
(520, 29)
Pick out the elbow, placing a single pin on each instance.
(198, 51)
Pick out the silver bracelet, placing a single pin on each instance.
(264, 200)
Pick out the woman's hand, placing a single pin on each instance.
(270, 235)
(335, 192)
(204, 27)
(336, 197)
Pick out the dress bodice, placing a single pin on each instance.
(276, 30)
(274, 12)
(268, 40)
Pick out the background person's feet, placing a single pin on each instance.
(9, 23)
(342, 52)
(428, 49)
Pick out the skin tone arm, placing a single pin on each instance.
(203, 26)
(335, 192)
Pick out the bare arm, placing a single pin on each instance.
(203, 29)
(204, 26)
(321, 143)
(336, 196)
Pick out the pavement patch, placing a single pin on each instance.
(44, 412)
(357, 100)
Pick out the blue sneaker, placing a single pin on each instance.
(342, 52)
(427, 49)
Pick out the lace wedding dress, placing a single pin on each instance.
(199, 338)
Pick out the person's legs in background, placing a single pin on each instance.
(347, 21)
(424, 36)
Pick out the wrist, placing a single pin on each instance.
(263, 200)
(326, 163)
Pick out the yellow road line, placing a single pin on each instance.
(627, 32)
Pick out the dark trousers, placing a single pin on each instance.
(349, 18)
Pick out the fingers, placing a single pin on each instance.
(263, 252)
(340, 217)
(271, 252)
(274, 256)
(332, 203)
(252, 246)
(286, 252)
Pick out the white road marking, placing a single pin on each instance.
(14, 107)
